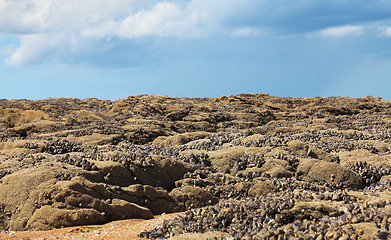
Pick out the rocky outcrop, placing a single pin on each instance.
(36, 199)
(316, 167)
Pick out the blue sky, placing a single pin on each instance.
(194, 48)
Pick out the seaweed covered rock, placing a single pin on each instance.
(37, 199)
(249, 166)
(189, 197)
(334, 173)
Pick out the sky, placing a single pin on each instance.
(111, 49)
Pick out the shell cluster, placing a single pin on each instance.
(369, 172)
(60, 147)
(277, 216)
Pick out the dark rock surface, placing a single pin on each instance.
(250, 166)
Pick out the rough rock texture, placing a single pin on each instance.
(250, 166)
(334, 173)
(189, 197)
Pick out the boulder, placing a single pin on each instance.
(48, 217)
(225, 160)
(161, 172)
(192, 197)
(115, 173)
(175, 169)
(305, 165)
(261, 188)
(304, 150)
(156, 199)
(30, 196)
(334, 173)
(179, 139)
(276, 168)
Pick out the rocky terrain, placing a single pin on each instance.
(250, 166)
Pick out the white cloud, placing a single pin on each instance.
(341, 31)
(163, 19)
(49, 29)
(192, 19)
(246, 32)
(147, 23)
(52, 29)
(36, 48)
(36, 16)
(22, 16)
(386, 31)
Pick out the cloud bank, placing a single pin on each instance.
(71, 31)
(341, 31)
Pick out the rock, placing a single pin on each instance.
(279, 172)
(122, 209)
(334, 173)
(199, 236)
(32, 127)
(314, 210)
(17, 193)
(153, 175)
(224, 160)
(192, 197)
(304, 150)
(251, 165)
(160, 172)
(366, 230)
(115, 173)
(176, 115)
(276, 168)
(242, 186)
(180, 139)
(364, 155)
(35, 189)
(156, 199)
(96, 139)
(305, 165)
(15, 117)
(175, 169)
(48, 217)
(261, 188)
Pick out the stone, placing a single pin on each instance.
(192, 197)
(180, 139)
(261, 188)
(323, 171)
(115, 173)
